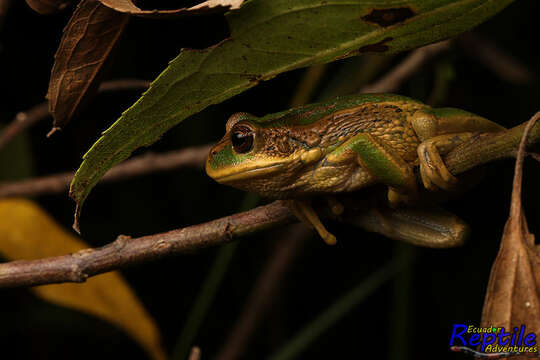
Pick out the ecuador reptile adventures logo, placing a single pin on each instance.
(491, 342)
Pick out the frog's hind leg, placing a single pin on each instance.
(429, 227)
(305, 212)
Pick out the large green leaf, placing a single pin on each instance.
(269, 37)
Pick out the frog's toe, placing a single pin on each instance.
(433, 171)
(426, 180)
(329, 238)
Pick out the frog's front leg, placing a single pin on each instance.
(382, 164)
(433, 170)
(441, 130)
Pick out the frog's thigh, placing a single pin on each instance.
(433, 170)
(382, 163)
(434, 122)
(431, 227)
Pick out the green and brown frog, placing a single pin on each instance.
(341, 146)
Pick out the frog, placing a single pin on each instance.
(341, 146)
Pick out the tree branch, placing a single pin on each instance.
(141, 165)
(195, 353)
(4, 7)
(26, 119)
(393, 79)
(125, 251)
(487, 147)
(504, 65)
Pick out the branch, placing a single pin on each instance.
(413, 62)
(496, 59)
(125, 251)
(4, 7)
(195, 353)
(26, 119)
(144, 164)
(487, 147)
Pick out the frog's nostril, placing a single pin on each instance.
(213, 152)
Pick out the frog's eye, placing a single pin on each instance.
(242, 139)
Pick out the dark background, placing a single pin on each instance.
(410, 317)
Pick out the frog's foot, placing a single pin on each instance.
(433, 171)
(303, 211)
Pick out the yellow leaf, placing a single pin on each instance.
(27, 232)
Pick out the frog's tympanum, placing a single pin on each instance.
(341, 146)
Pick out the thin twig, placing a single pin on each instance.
(25, 119)
(262, 294)
(124, 251)
(4, 7)
(486, 147)
(414, 61)
(496, 59)
(195, 353)
(141, 165)
(307, 85)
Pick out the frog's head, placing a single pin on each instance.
(256, 156)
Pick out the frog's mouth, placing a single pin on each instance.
(246, 173)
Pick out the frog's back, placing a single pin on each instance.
(384, 116)
(313, 113)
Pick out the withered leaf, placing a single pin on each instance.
(89, 38)
(47, 7)
(513, 294)
(128, 6)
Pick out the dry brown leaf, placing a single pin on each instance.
(27, 232)
(128, 7)
(47, 7)
(513, 294)
(89, 38)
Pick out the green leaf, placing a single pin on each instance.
(269, 37)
